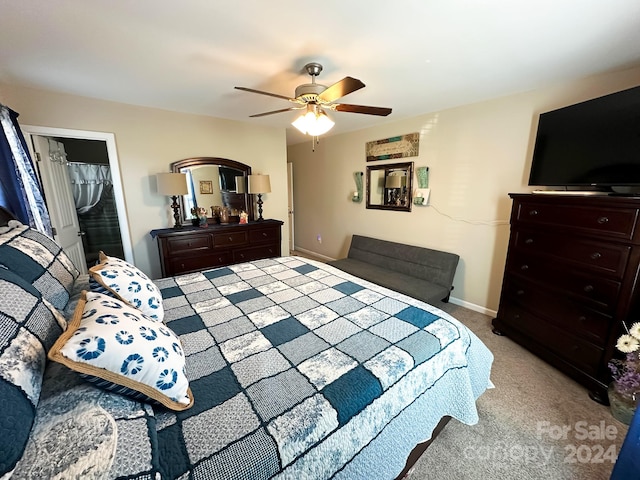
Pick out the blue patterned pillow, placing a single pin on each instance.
(28, 328)
(122, 280)
(120, 349)
(40, 261)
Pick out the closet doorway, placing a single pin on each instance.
(80, 175)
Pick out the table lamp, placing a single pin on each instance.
(259, 184)
(172, 185)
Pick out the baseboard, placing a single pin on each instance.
(313, 254)
(473, 306)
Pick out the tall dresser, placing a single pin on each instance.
(570, 280)
(191, 249)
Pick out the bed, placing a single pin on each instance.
(294, 370)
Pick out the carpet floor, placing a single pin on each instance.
(536, 423)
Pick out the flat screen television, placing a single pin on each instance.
(591, 144)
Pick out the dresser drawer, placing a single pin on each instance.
(619, 222)
(602, 257)
(601, 293)
(572, 349)
(263, 235)
(256, 253)
(230, 239)
(567, 314)
(201, 262)
(188, 244)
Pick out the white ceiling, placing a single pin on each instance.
(415, 56)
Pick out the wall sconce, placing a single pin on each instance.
(357, 195)
(314, 122)
(259, 184)
(423, 191)
(172, 185)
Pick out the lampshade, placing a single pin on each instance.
(259, 184)
(393, 181)
(241, 185)
(315, 122)
(172, 184)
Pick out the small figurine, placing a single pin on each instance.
(244, 217)
(202, 216)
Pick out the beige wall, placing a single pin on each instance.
(148, 140)
(476, 155)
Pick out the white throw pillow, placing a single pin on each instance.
(120, 349)
(122, 280)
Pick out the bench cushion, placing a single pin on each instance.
(424, 290)
(419, 272)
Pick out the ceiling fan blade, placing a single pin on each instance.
(345, 107)
(267, 93)
(274, 111)
(339, 89)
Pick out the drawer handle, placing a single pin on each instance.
(231, 239)
(582, 319)
(242, 255)
(602, 220)
(516, 316)
(188, 244)
(520, 292)
(588, 288)
(524, 267)
(596, 256)
(529, 241)
(533, 212)
(264, 234)
(182, 265)
(220, 259)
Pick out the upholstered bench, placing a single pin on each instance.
(419, 272)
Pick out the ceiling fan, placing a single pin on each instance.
(315, 98)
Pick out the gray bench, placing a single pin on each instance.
(419, 272)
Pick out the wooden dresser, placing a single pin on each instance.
(570, 280)
(192, 249)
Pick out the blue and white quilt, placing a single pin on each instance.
(302, 371)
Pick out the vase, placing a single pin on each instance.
(622, 406)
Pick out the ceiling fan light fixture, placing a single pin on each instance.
(315, 122)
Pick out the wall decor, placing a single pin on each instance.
(393, 147)
(390, 186)
(357, 194)
(206, 186)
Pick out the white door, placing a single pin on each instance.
(59, 199)
(292, 245)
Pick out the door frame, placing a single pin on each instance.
(290, 210)
(114, 164)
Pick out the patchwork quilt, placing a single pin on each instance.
(302, 371)
(298, 370)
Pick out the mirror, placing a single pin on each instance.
(390, 187)
(212, 183)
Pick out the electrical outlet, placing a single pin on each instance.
(319, 238)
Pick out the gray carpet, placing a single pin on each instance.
(519, 435)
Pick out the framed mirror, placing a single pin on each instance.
(390, 186)
(214, 182)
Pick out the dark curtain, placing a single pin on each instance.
(20, 190)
